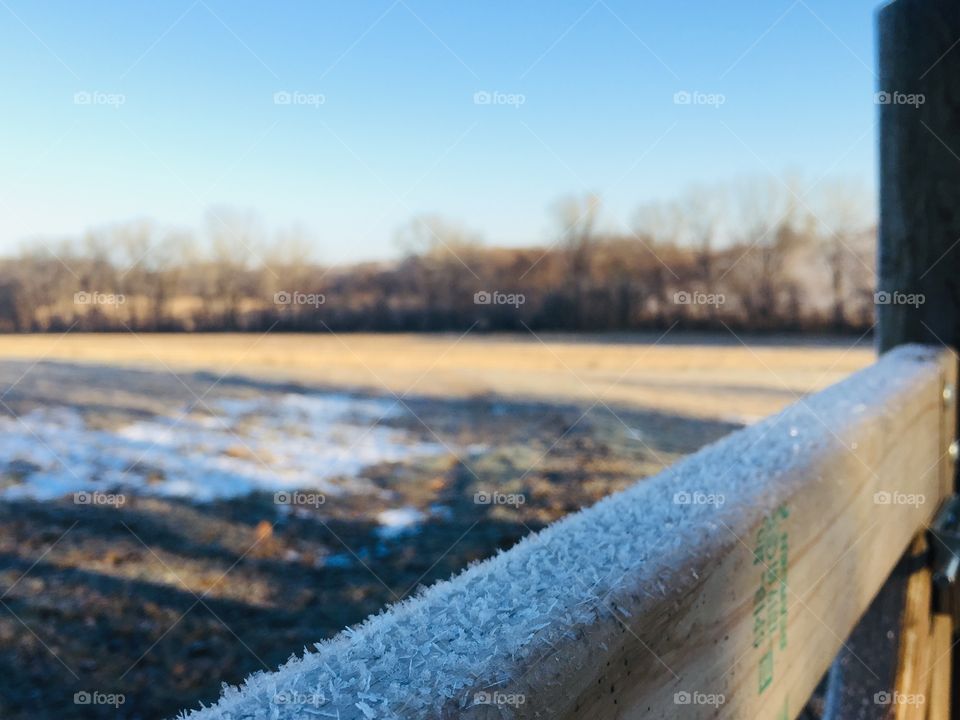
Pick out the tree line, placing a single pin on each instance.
(762, 254)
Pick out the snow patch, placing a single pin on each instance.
(315, 441)
(398, 521)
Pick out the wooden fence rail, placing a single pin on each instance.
(722, 587)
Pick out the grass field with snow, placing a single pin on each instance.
(179, 511)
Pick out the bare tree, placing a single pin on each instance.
(577, 235)
(235, 242)
(659, 231)
(131, 244)
(841, 214)
(704, 212)
(445, 256)
(764, 212)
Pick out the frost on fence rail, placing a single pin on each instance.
(605, 602)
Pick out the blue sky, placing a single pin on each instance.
(182, 113)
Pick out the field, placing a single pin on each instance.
(179, 511)
(697, 375)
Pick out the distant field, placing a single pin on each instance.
(715, 377)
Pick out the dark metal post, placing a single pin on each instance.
(919, 103)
